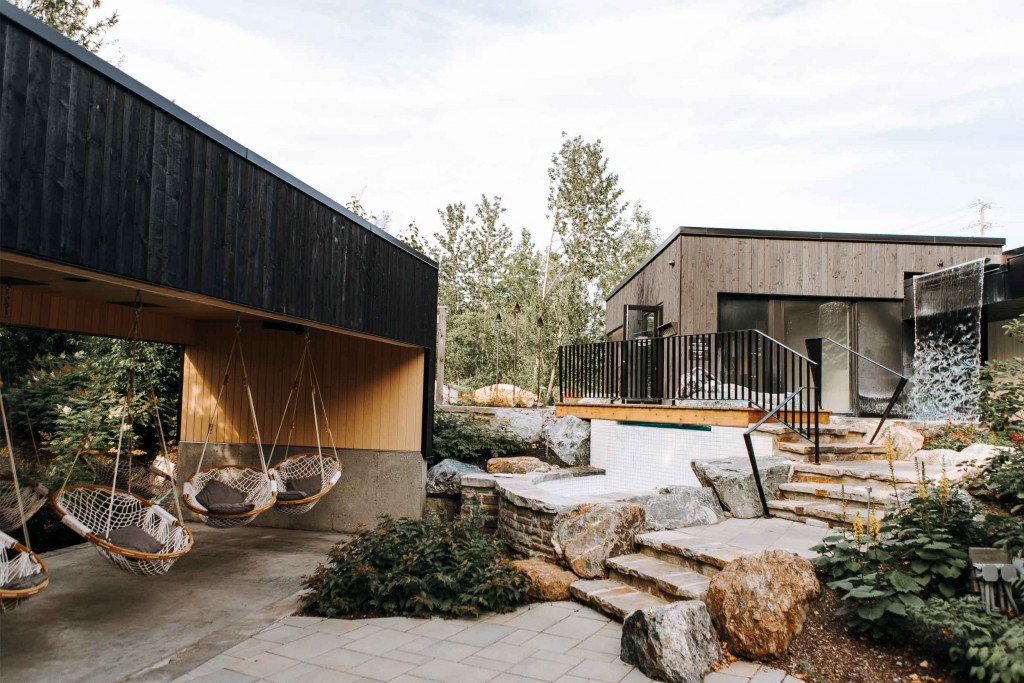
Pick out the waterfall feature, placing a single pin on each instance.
(947, 342)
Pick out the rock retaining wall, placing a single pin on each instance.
(528, 531)
(478, 493)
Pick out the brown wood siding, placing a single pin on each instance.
(31, 307)
(657, 284)
(708, 266)
(373, 390)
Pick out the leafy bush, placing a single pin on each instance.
(985, 646)
(957, 437)
(417, 568)
(465, 439)
(1001, 400)
(918, 552)
(1001, 478)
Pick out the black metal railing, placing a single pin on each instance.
(745, 365)
(750, 447)
(814, 351)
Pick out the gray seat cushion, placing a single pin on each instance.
(216, 494)
(21, 583)
(310, 485)
(288, 496)
(133, 537)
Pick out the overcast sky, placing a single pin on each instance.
(856, 116)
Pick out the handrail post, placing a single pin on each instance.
(757, 474)
(899, 388)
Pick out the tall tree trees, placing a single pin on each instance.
(74, 18)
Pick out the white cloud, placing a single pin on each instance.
(829, 115)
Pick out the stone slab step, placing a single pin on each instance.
(778, 429)
(854, 473)
(830, 513)
(860, 448)
(691, 552)
(664, 579)
(811, 491)
(610, 597)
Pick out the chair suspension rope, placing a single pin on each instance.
(14, 469)
(216, 405)
(248, 393)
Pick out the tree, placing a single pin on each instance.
(72, 18)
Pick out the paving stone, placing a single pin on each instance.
(441, 670)
(492, 664)
(437, 628)
(337, 627)
(421, 643)
(310, 646)
(223, 661)
(282, 634)
(453, 652)
(249, 648)
(506, 652)
(766, 675)
(381, 642)
(546, 641)
(382, 668)
(340, 658)
(262, 665)
(719, 677)
(575, 627)
(224, 676)
(518, 637)
(602, 643)
(601, 671)
(540, 669)
(310, 673)
(741, 668)
(482, 634)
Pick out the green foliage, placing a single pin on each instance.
(417, 568)
(79, 394)
(919, 552)
(72, 18)
(1001, 400)
(987, 647)
(465, 439)
(957, 437)
(1001, 478)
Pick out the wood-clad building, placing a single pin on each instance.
(108, 189)
(792, 286)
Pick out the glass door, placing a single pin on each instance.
(811, 319)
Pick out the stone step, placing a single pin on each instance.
(832, 452)
(691, 554)
(855, 496)
(853, 474)
(662, 578)
(615, 599)
(820, 513)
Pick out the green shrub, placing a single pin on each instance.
(957, 437)
(918, 552)
(465, 439)
(417, 568)
(1001, 478)
(1001, 399)
(985, 646)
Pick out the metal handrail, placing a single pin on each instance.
(895, 394)
(750, 446)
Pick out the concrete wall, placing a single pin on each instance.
(372, 483)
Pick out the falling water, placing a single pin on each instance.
(947, 342)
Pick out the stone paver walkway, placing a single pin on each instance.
(555, 641)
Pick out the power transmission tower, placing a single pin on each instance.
(981, 215)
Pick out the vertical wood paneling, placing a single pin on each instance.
(707, 266)
(94, 175)
(379, 408)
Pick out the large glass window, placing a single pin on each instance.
(812, 319)
(880, 338)
(739, 313)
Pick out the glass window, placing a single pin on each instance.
(811, 319)
(740, 313)
(880, 338)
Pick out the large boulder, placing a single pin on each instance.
(905, 440)
(569, 439)
(733, 481)
(674, 643)
(518, 465)
(675, 507)
(939, 456)
(547, 581)
(587, 535)
(527, 424)
(759, 602)
(445, 478)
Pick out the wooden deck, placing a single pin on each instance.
(681, 415)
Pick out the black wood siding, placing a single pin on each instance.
(94, 174)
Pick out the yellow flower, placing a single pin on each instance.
(874, 526)
(858, 527)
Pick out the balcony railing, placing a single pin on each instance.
(745, 365)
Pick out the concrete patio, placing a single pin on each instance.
(94, 623)
(555, 641)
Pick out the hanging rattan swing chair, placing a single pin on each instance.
(305, 478)
(129, 531)
(145, 480)
(33, 497)
(231, 495)
(22, 572)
